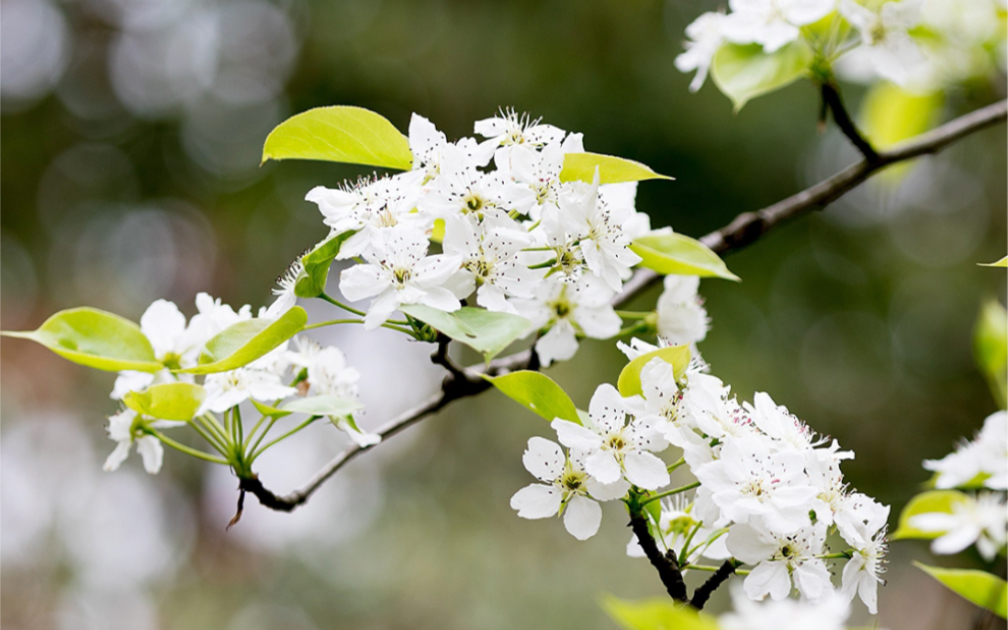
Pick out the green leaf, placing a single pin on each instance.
(612, 170)
(990, 347)
(327, 405)
(743, 72)
(94, 338)
(244, 342)
(983, 589)
(538, 393)
(926, 503)
(629, 383)
(1001, 263)
(316, 265)
(484, 331)
(656, 614)
(167, 401)
(889, 114)
(675, 254)
(339, 134)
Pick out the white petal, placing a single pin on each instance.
(117, 456)
(362, 281)
(544, 459)
(558, 344)
(576, 436)
(582, 517)
(603, 466)
(537, 501)
(645, 470)
(151, 452)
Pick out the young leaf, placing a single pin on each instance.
(983, 589)
(244, 342)
(745, 72)
(629, 383)
(1001, 263)
(990, 347)
(482, 330)
(316, 265)
(612, 170)
(925, 503)
(167, 401)
(656, 614)
(339, 134)
(94, 338)
(675, 254)
(323, 406)
(538, 393)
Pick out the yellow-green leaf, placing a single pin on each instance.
(244, 342)
(484, 331)
(538, 393)
(890, 114)
(316, 263)
(629, 383)
(612, 170)
(743, 72)
(656, 614)
(990, 347)
(675, 254)
(1001, 263)
(95, 338)
(928, 502)
(339, 134)
(167, 401)
(983, 589)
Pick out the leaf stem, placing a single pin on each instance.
(282, 437)
(668, 493)
(634, 314)
(325, 296)
(185, 449)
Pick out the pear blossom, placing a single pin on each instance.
(982, 521)
(285, 297)
(705, 37)
(491, 263)
(400, 272)
(682, 318)
(566, 488)
(827, 613)
(861, 574)
(772, 23)
(598, 229)
(677, 523)
(615, 442)
(568, 309)
(779, 558)
(509, 128)
(121, 430)
(370, 207)
(985, 457)
(539, 171)
(886, 45)
(227, 389)
(751, 479)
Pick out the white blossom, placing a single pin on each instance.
(682, 319)
(885, 44)
(705, 38)
(982, 521)
(121, 430)
(566, 487)
(828, 613)
(772, 23)
(986, 456)
(285, 297)
(779, 558)
(400, 272)
(616, 444)
(862, 573)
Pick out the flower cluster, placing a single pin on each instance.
(924, 45)
(979, 519)
(769, 493)
(511, 231)
(290, 370)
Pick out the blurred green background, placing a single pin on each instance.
(130, 171)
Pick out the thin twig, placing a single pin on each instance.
(666, 564)
(705, 590)
(832, 99)
(742, 231)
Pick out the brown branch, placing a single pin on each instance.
(705, 590)
(742, 231)
(666, 564)
(832, 99)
